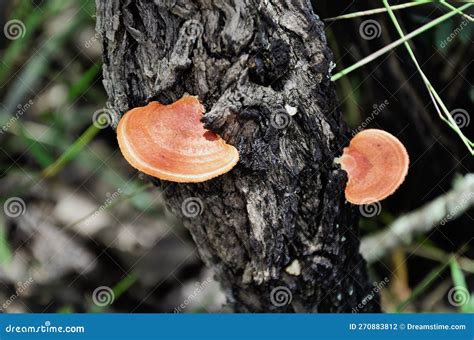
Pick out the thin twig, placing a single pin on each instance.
(375, 11)
(449, 118)
(435, 254)
(444, 3)
(396, 43)
(438, 212)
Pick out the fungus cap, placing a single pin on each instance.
(170, 142)
(376, 163)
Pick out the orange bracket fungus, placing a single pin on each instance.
(376, 163)
(170, 142)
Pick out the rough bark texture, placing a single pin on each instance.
(276, 229)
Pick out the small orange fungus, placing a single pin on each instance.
(376, 163)
(170, 142)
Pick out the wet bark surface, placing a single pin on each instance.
(276, 229)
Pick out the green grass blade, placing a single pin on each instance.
(122, 286)
(34, 147)
(118, 290)
(423, 286)
(396, 43)
(80, 86)
(5, 251)
(32, 24)
(376, 11)
(71, 151)
(67, 309)
(460, 285)
(30, 75)
(444, 3)
(437, 101)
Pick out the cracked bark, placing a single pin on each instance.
(279, 219)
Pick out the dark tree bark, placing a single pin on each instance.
(276, 229)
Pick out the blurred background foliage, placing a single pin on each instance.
(90, 223)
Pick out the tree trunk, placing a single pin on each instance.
(276, 229)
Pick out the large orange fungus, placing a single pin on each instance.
(170, 142)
